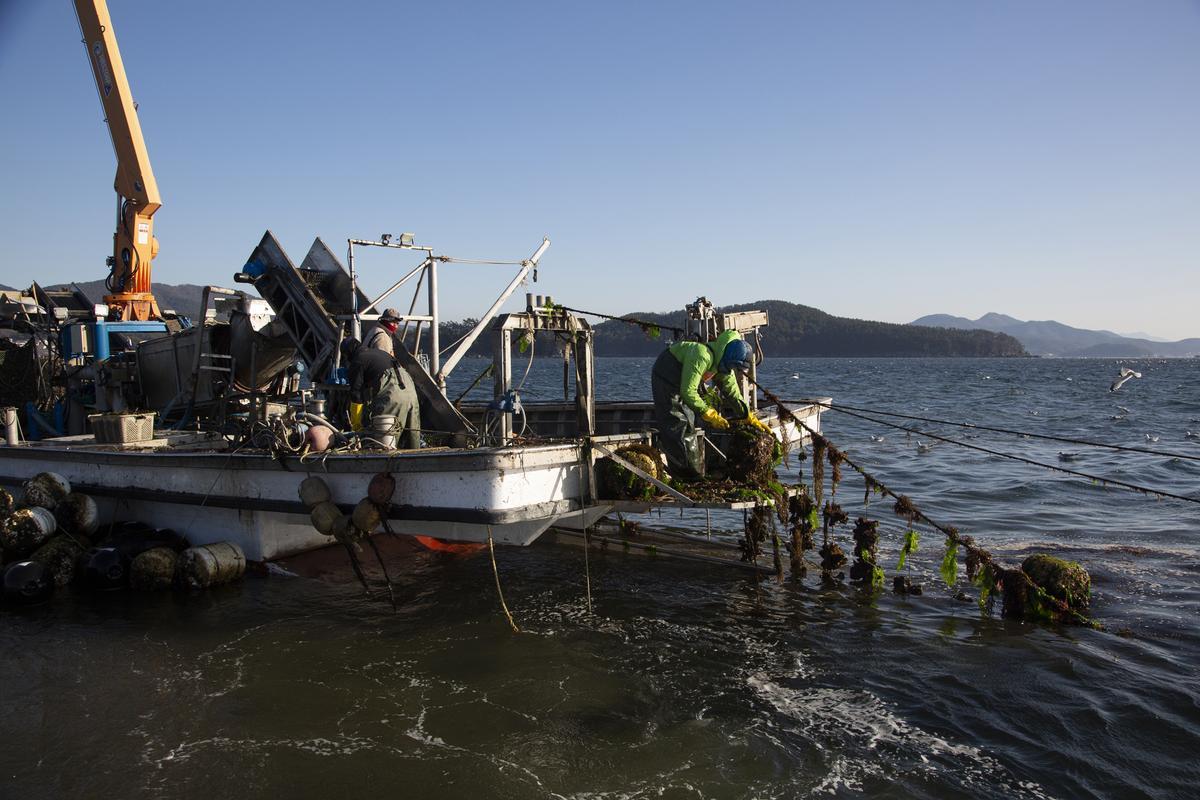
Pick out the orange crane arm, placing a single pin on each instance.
(134, 245)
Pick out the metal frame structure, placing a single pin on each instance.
(427, 270)
(533, 321)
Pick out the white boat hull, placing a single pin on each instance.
(252, 500)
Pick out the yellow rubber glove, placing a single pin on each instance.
(755, 422)
(356, 413)
(714, 420)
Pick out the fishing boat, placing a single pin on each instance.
(219, 467)
(208, 428)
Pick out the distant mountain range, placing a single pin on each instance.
(797, 330)
(183, 298)
(794, 330)
(1049, 338)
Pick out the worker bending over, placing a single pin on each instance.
(676, 380)
(384, 388)
(380, 337)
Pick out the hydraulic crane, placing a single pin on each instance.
(134, 245)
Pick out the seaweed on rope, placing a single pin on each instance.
(1022, 597)
(865, 568)
(836, 457)
(802, 517)
(819, 444)
(756, 533)
(832, 555)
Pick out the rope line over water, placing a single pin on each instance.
(643, 324)
(1054, 467)
(972, 426)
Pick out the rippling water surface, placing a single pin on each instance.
(686, 681)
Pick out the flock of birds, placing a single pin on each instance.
(1125, 375)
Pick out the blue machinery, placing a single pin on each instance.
(83, 344)
(82, 340)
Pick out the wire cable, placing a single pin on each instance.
(1047, 437)
(1033, 462)
(453, 260)
(643, 324)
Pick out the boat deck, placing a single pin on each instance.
(196, 485)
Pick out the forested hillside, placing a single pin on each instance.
(797, 330)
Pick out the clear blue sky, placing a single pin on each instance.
(882, 160)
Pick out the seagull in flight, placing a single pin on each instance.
(922, 447)
(1126, 374)
(1123, 409)
(1150, 437)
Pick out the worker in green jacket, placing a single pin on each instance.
(676, 380)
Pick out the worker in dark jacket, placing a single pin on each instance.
(385, 389)
(676, 380)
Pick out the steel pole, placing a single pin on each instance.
(435, 346)
(356, 323)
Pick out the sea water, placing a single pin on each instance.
(685, 681)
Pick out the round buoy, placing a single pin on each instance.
(210, 565)
(153, 569)
(104, 568)
(46, 489)
(314, 491)
(323, 517)
(77, 514)
(366, 516)
(25, 530)
(381, 489)
(319, 438)
(343, 529)
(27, 583)
(59, 556)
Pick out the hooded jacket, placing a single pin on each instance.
(700, 360)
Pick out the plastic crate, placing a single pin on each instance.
(122, 428)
